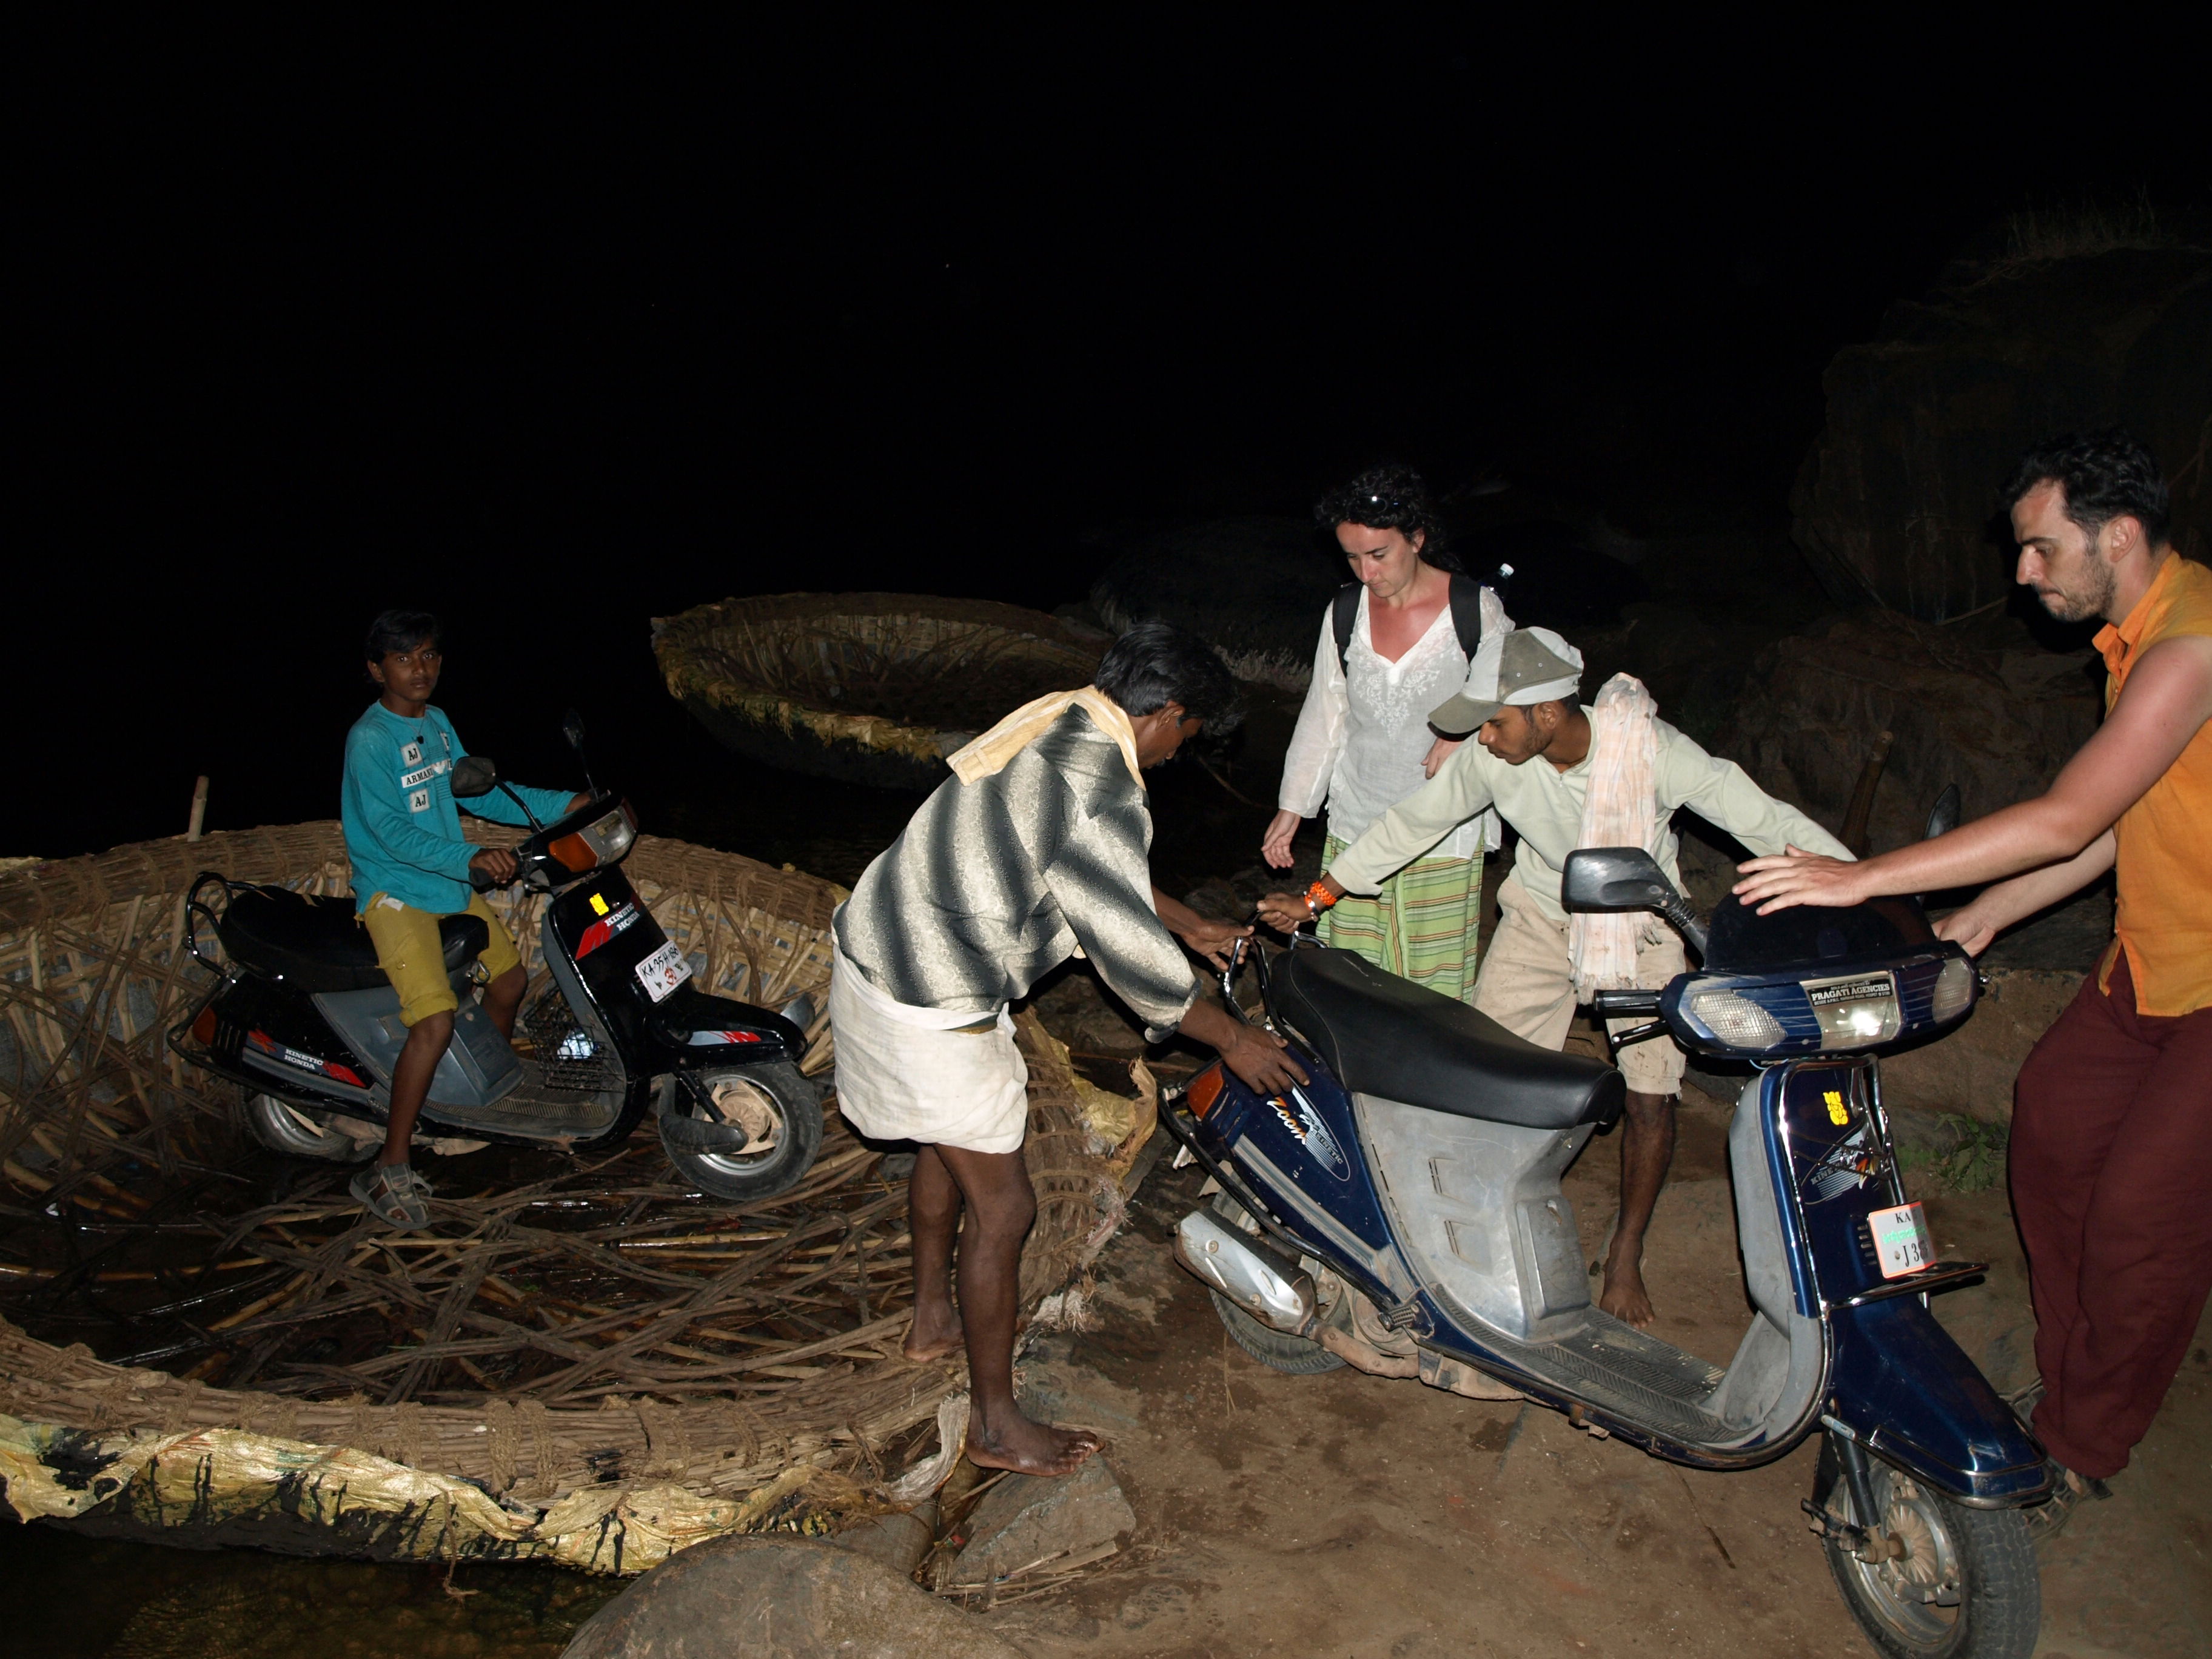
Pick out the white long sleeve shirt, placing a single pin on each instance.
(1546, 805)
(1364, 731)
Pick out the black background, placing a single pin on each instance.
(553, 330)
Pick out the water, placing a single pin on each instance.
(69, 1596)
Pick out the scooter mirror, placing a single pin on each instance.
(1614, 879)
(571, 729)
(474, 775)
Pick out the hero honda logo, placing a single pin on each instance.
(1312, 1134)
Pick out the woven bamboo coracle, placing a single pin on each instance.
(870, 688)
(581, 1359)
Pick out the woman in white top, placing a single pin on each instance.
(1364, 743)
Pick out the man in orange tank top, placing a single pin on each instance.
(2112, 1131)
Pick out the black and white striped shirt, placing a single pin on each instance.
(994, 883)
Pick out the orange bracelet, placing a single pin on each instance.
(1318, 899)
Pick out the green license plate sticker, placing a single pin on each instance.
(1900, 1240)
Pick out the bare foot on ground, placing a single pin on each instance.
(1029, 1448)
(1623, 1296)
(935, 1333)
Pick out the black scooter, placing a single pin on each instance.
(304, 1021)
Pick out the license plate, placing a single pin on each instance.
(1900, 1240)
(663, 971)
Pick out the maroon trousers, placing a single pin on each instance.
(2112, 1187)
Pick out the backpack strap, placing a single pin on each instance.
(1465, 610)
(1343, 617)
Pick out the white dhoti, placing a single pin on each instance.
(923, 1074)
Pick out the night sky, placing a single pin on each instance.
(553, 332)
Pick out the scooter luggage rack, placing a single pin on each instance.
(565, 1054)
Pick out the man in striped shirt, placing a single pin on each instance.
(1035, 850)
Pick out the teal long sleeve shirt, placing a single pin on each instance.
(403, 827)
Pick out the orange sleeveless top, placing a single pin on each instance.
(2164, 871)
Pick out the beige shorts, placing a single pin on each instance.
(1524, 985)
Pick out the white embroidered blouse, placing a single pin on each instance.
(1364, 731)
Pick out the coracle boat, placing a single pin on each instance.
(579, 1360)
(866, 687)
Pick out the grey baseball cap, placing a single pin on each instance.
(1524, 666)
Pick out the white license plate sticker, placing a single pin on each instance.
(663, 971)
(1900, 1240)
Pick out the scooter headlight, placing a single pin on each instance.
(1855, 1012)
(1736, 1020)
(1954, 990)
(610, 838)
(603, 841)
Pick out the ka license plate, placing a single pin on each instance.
(1900, 1240)
(663, 971)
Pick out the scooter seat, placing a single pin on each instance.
(1386, 1036)
(316, 944)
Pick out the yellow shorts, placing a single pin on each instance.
(407, 951)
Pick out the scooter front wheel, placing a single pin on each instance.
(1953, 1583)
(771, 1116)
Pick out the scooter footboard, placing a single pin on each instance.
(1909, 1392)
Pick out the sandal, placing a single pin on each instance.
(2068, 1491)
(395, 1195)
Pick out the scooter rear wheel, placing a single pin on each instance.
(743, 1177)
(292, 1132)
(1966, 1587)
(1278, 1350)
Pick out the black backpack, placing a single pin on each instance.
(1466, 611)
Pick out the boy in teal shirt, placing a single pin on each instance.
(410, 867)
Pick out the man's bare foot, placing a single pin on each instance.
(1031, 1448)
(935, 1333)
(1623, 1296)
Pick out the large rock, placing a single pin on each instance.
(780, 1598)
(1998, 718)
(1255, 588)
(1027, 1520)
(1896, 501)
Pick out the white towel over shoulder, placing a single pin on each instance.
(1621, 810)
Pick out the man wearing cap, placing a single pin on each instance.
(1520, 702)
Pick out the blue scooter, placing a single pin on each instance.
(1402, 1214)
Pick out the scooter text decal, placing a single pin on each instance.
(604, 929)
(1313, 1134)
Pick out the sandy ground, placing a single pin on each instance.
(1343, 1513)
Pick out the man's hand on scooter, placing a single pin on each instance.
(1256, 1055)
(495, 864)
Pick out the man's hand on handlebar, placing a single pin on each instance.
(496, 865)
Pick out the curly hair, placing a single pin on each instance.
(1389, 497)
(2105, 476)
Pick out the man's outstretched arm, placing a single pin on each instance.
(2010, 902)
(2168, 700)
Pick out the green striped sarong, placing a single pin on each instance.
(1423, 925)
